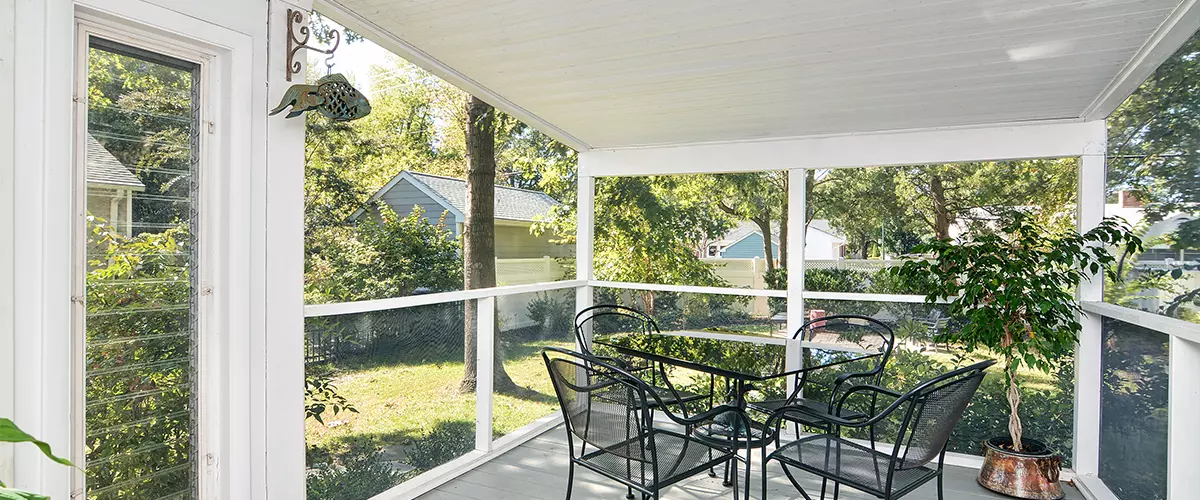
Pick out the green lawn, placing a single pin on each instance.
(401, 402)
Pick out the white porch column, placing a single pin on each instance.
(485, 371)
(1183, 404)
(585, 234)
(278, 445)
(1086, 460)
(797, 210)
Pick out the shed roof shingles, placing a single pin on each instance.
(104, 168)
(511, 203)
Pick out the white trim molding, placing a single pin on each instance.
(1163, 324)
(715, 290)
(317, 310)
(945, 145)
(1173, 32)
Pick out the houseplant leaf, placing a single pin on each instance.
(10, 433)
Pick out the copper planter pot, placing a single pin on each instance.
(1032, 473)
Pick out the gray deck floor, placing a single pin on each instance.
(537, 470)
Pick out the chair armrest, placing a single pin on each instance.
(863, 388)
(700, 418)
(842, 422)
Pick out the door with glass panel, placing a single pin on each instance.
(139, 244)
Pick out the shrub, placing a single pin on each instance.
(449, 440)
(361, 472)
(553, 314)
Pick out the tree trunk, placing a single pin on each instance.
(764, 226)
(941, 213)
(783, 226)
(479, 236)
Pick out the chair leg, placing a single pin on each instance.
(764, 473)
(629, 496)
(836, 487)
(570, 478)
(795, 483)
(940, 492)
(824, 482)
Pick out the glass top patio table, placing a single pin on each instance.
(749, 360)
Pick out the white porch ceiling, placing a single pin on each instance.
(621, 73)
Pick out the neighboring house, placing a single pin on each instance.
(516, 211)
(110, 187)
(745, 241)
(1157, 252)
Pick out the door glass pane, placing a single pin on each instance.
(141, 320)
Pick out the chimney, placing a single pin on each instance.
(1130, 200)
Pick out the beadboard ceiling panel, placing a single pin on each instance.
(623, 73)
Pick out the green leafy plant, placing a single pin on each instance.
(10, 433)
(1015, 288)
(320, 395)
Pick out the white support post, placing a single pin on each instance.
(485, 363)
(797, 210)
(584, 238)
(1088, 352)
(1183, 404)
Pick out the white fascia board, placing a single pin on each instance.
(1178, 27)
(946, 145)
(353, 20)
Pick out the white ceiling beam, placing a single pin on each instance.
(1045, 140)
(1178, 27)
(354, 21)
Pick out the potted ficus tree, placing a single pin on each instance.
(1014, 288)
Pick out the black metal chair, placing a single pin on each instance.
(642, 324)
(928, 412)
(609, 408)
(845, 331)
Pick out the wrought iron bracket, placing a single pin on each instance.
(297, 24)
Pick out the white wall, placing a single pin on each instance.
(7, 42)
(256, 369)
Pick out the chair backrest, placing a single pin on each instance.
(602, 405)
(852, 332)
(935, 407)
(616, 316)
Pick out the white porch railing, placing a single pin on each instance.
(1184, 365)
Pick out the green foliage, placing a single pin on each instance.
(553, 313)
(10, 433)
(320, 395)
(646, 226)
(1014, 289)
(449, 440)
(134, 360)
(360, 472)
(380, 257)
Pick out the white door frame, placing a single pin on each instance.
(47, 390)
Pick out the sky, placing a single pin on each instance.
(353, 59)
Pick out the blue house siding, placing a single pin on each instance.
(404, 196)
(750, 247)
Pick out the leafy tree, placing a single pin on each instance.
(380, 257)
(1154, 153)
(761, 198)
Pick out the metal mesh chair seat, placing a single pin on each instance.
(607, 411)
(928, 414)
(679, 457)
(851, 464)
(806, 418)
